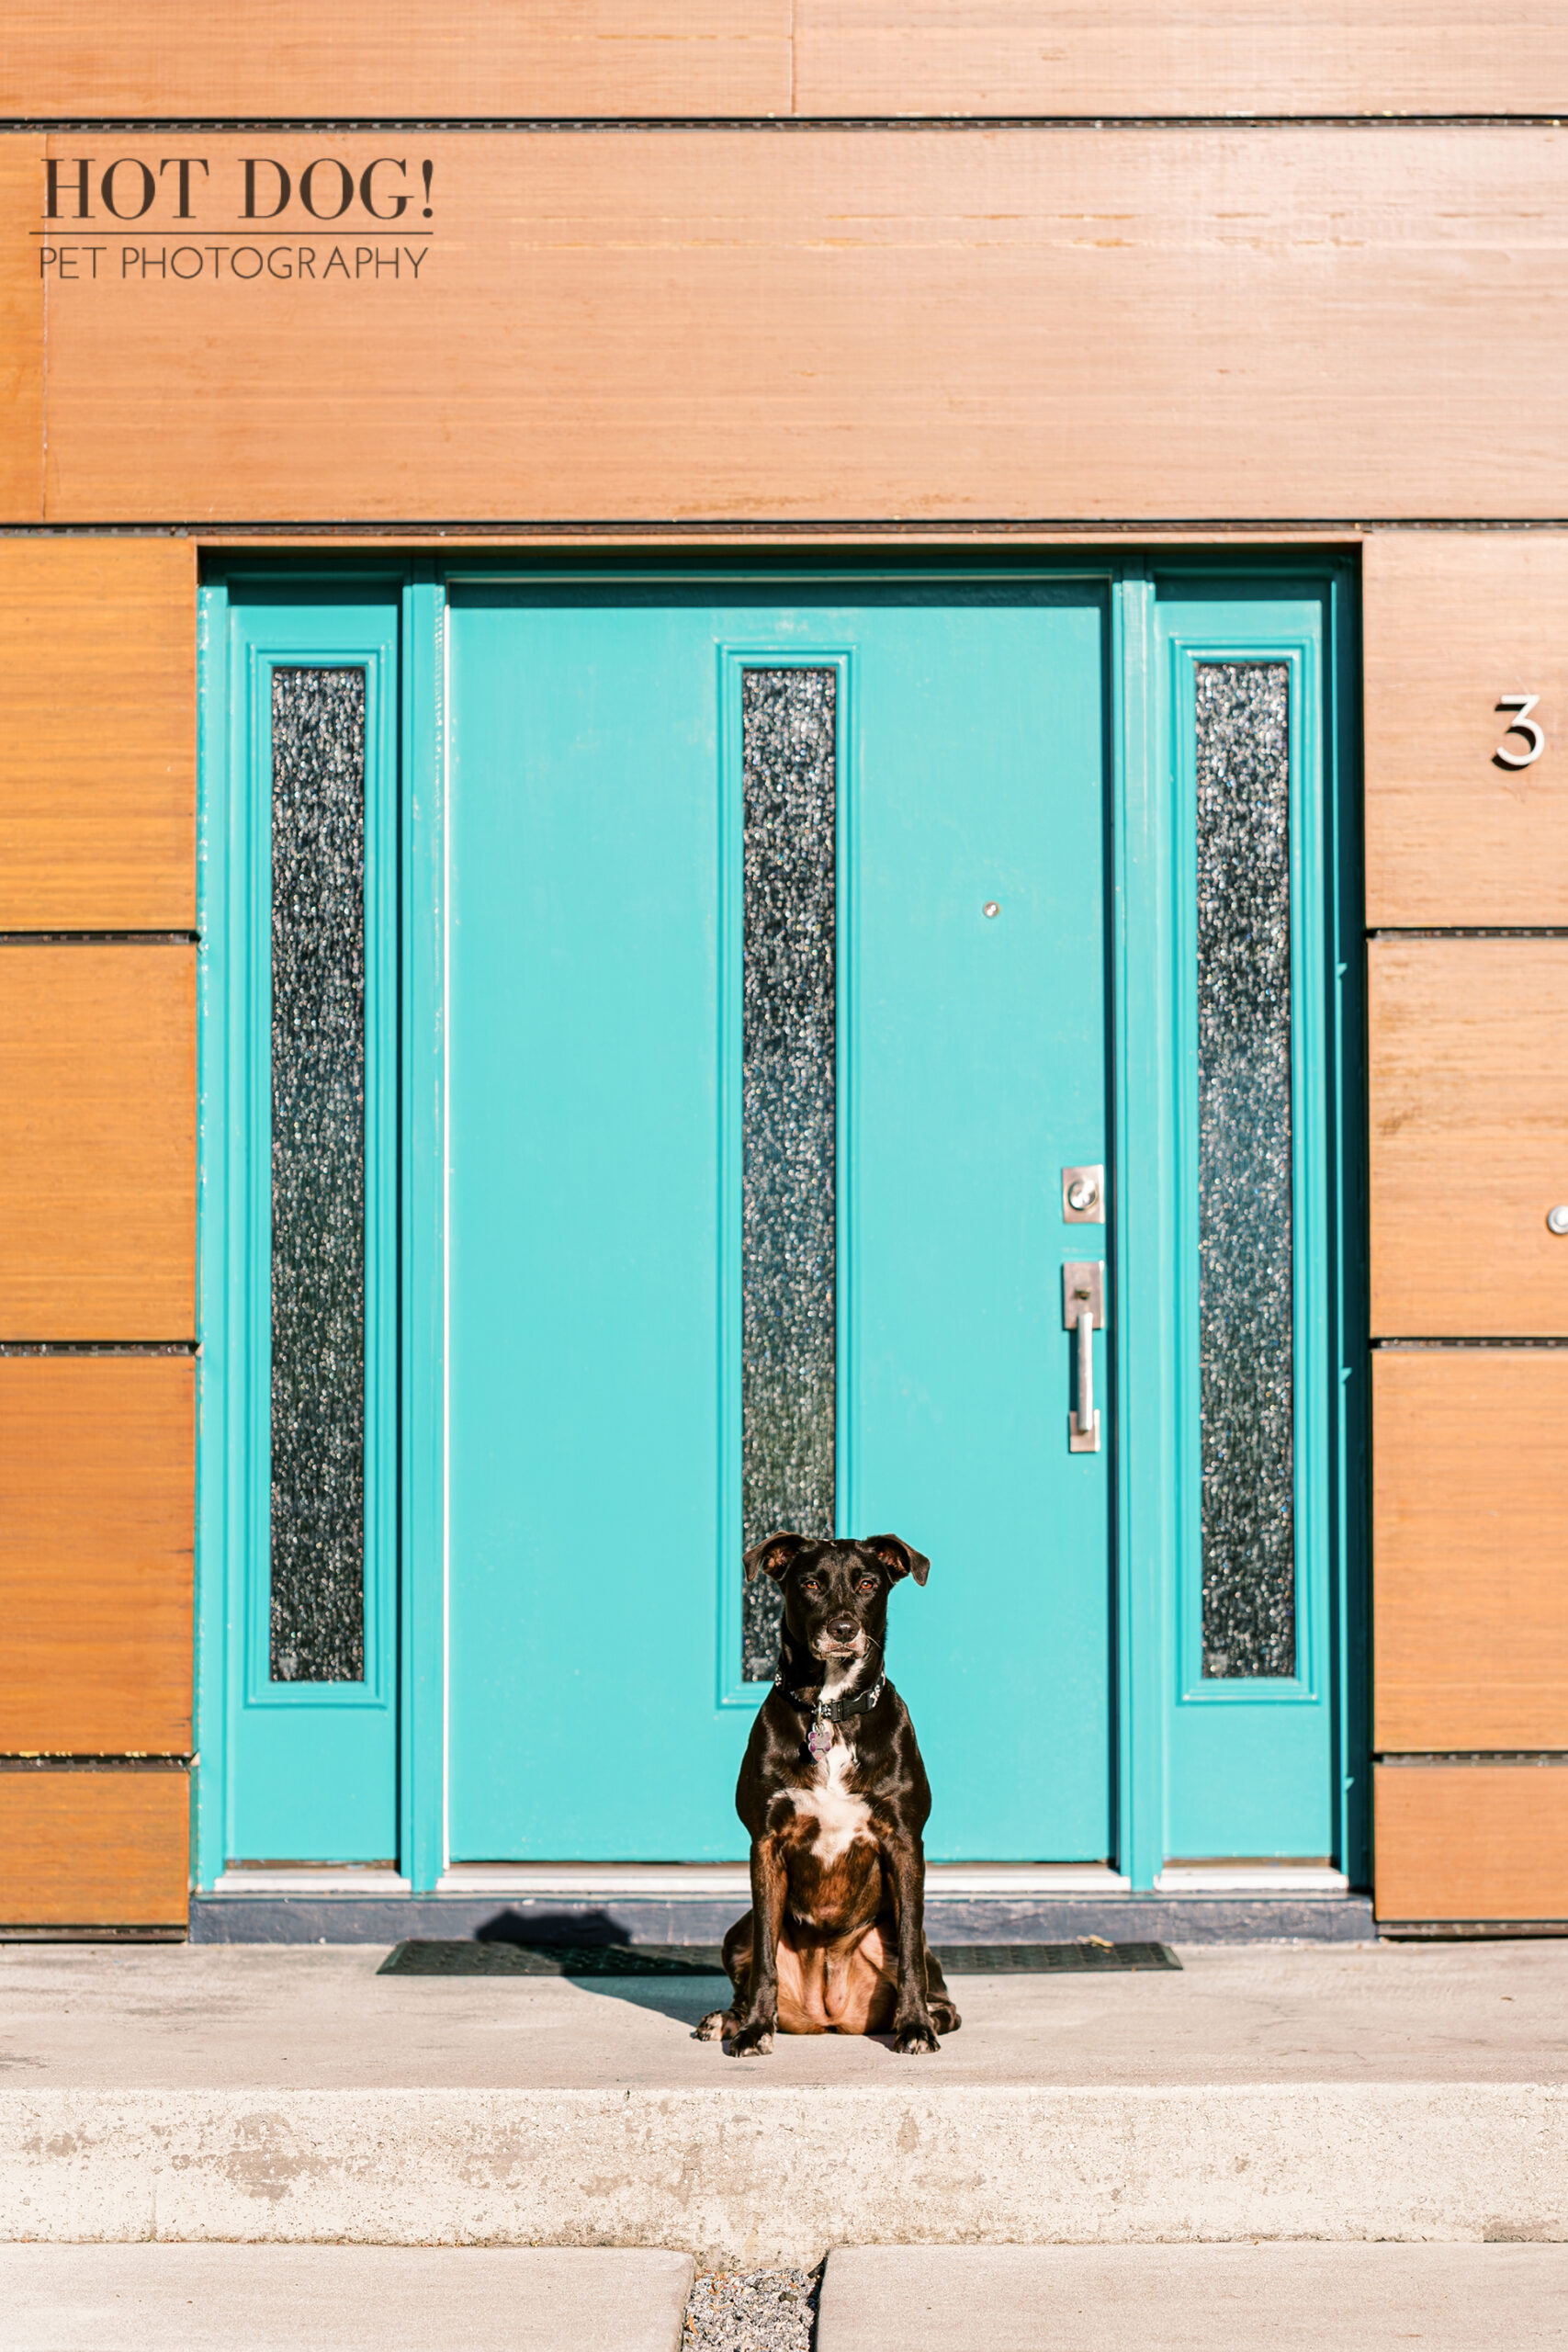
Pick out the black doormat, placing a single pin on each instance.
(423, 1957)
(1048, 1960)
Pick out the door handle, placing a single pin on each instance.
(1083, 1312)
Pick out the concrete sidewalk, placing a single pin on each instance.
(340, 2299)
(291, 2094)
(1194, 2298)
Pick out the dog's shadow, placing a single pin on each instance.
(594, 1952)
(687, 1999)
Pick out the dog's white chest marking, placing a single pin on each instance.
(842, 1816)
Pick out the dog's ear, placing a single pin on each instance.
(772, 1555)
(901, 1557)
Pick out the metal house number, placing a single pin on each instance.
(1508, 755)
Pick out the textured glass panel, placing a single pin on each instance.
(788, 1092)
(1244, 1168)
(318, 1176)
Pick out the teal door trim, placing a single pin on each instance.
(1349, 1630)
(1150, 1160)
(344, 1735)
(423, 1727)
(1174, 614)
(1142, 1179)
(1220, 623)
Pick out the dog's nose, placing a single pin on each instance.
(843, 1629)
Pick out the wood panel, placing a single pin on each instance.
(97, 1146)
(98, 755)
(94, 1849)
(21, 336)
(97, 1499)
(1132, 57)
(1067, 326)
(1452, 620)
(626, 58)
(1468, 1046)
(1471, 1841)
(337, 58)
(1470, 1535)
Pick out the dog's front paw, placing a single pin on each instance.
(753, 2041)
(915, 2040)
(715, 2026)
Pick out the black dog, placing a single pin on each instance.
(835, 1796)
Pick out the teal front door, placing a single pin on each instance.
(687, 1055)
(777, 1007)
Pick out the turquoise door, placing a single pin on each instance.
(648, 787)
(648, 1030)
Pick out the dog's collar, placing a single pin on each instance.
(834, 1711)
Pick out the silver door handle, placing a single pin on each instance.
(1083, 1312)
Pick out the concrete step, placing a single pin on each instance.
(340, 2299)
(1195, 2297)
(292, 2095)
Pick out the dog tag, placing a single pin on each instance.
(819, 1739)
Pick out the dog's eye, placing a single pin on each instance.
(867, 1584)
(811, 1584)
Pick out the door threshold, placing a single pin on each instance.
(1222, 1878)
(1011, 1909)
(704, 1881)
(327, 1882)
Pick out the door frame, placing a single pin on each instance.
(1148, 1567)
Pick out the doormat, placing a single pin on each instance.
(1091, 1952)
(424, 1957)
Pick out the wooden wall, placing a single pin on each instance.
(1468, 1034)
(98, 1242)
(98, 755)
(628, 57)
(97, 1473)
(1454, 838)
(937, 325)
(769, 313)
(90, 1848)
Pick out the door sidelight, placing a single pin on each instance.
(1083, 1311)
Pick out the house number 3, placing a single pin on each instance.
(1508, 755)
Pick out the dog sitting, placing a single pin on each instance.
(835, 1798)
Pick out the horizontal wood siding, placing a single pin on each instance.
(1468, 1052)
(627, 58)
(97, 753)
(96, 1513)
(338, 58)
(1072, 326)
(94, 1849)
(1470, 1534)
(1136, 57)
(97, 1146)
(1452, 620)
(1471, 1841)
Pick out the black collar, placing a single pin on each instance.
(833, 1711)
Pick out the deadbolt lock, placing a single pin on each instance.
(1083, 1195)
